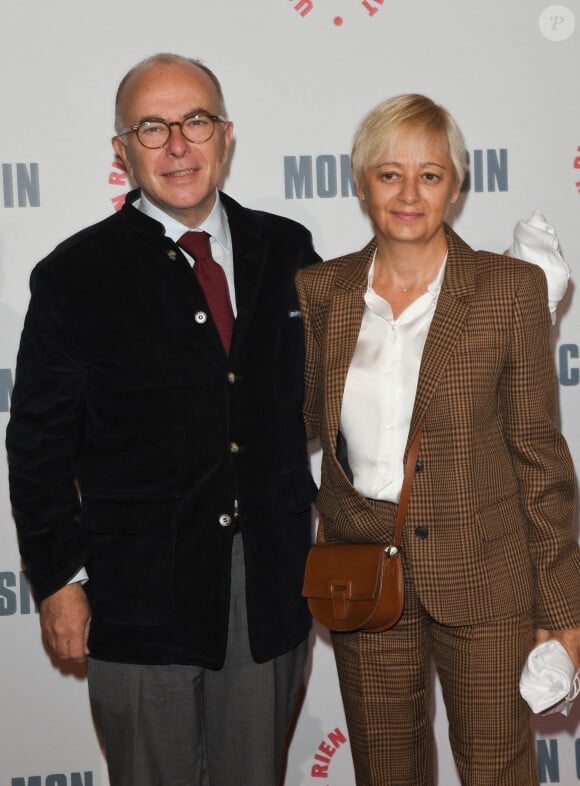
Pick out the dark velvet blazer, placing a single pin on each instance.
(132, 433)
(489, 527)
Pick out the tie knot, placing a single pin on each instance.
(196, 244)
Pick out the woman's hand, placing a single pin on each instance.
(569, 638)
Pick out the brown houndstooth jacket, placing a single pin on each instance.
(495, 486)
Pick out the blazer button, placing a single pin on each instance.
(225, 520)
(419, 466)
(200, 317)
(234, 447)
(422, 532)
(231, 377)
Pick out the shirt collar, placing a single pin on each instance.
(215, 224)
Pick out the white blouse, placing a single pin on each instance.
(380, 388)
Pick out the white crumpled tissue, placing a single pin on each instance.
(535, 241)
(549, 681)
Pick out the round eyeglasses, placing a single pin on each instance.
(154, 132)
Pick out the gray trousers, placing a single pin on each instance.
(189, 726)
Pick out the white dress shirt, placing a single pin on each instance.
(380, 387)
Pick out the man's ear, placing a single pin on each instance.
(121, 152)
(228, 136)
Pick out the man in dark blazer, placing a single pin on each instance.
(172, 470)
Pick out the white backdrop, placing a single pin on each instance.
(298, 75)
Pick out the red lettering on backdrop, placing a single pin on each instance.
(335, 739)
(118, 201)
(324, 747)
(303, 7)
(372, 11)
(118, 178)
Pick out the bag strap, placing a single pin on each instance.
(403, 500)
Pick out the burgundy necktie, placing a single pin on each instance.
(213, 281)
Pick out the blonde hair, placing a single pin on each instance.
(384, 125)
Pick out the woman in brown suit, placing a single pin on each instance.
(417, 327)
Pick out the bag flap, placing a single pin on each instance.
(355, 569)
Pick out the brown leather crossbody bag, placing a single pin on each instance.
(359, 586)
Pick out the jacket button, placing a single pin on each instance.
(225, 520)
(231, 377)
(422, 532)
(419, 466)
(200, 317)
(234, 447)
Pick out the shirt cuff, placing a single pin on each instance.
(80, 576)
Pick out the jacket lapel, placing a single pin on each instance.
(345, 315)
(250, 252)
(447, 325)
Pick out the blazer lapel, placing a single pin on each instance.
(345, 315)
(447, 325)
(250, 251)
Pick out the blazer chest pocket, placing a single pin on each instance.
(479, 356)
(500, 519)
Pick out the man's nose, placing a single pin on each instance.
(177, 144)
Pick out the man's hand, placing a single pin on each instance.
(569, 638)
(65, 618)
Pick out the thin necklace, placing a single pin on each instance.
(404, 290)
